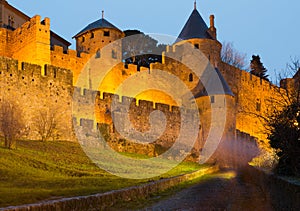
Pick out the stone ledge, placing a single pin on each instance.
(103, 201)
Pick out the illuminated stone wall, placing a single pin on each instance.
(94, 40)
(31, 43)
(254, 98)
(34, 92)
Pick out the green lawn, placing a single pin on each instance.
(38, 171)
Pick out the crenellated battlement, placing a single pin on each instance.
(86, 100)
(35, 23)
(236, 77)
(29, 73)
(70, 54)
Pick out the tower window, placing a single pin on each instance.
(83, 39)
(212, 99)
(191, 77)
(98, 54)
(196, 46)
(113, 54)
(106, 34)
(92, 35)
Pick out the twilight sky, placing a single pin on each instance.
(269, 28)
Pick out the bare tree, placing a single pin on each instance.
(11, 123)
(293, 66)
(231, 56)
(48, 124)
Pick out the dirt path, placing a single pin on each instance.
(217, 193)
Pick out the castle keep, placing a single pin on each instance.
(39, 71)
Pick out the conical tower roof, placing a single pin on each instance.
(195, 27)
(99, 24)
(200, 91)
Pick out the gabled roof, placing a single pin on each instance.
(54, 35)
(10, 7)
(99, 24)
(195, 27)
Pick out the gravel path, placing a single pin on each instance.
(218, 193)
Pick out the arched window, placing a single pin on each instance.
(191, 77)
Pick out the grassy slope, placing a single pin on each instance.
(38, 171)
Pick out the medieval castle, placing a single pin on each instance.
(38, 71)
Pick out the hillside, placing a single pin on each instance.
(37, 171)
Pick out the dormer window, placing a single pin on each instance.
(106, 34)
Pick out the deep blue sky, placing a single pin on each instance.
(269, 28)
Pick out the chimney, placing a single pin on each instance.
(212, 21)
(212, 30)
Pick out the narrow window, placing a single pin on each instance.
(98, 54)
(83, 39)
(106, 34)
(113, 54)
(258, 106)
(45, 70)
(212, 99)
(196, 46)
(11, 21)
(191, 77)
(92, 35)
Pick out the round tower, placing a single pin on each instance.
(97, 35)
(201, 37)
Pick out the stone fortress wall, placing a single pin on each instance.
(29, 43)
(253, 97)
(34, 92)
(51, 80)
(139, 115)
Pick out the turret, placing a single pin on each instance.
(96, 35)
(198, 34)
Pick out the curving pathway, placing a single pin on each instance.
(218, 193)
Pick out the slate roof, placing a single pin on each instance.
(201, 91)
(195, 27)
(101, 23)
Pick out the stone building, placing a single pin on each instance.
(56, 70)
(12, 18)
(97, 35)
